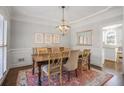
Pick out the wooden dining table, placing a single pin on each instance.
(39, 60)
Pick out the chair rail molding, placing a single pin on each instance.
(18, 49)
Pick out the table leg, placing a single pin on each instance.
(89, 63)
(69, 75)
(33, 67)
(76, 73)
(39, 74)
(88, 66)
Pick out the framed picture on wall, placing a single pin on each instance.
(48, 38)
(39, 37)
(56, 38)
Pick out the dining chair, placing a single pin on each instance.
(38, 52)
(85, 58)
(54, 66)
(65, 56)
(41, 51)
(56, 50)
(61, 49)
(72, 63)
(49, 50)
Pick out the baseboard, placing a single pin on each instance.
(109, 60)
(2, 80)
(20, 65)
(95, 66)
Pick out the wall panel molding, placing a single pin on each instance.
(19, 53)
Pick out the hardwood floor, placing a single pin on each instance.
(11, 77)
(117, 80)
(116, 70)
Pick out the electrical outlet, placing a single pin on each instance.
(21, 59)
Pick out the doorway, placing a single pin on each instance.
(112, 48)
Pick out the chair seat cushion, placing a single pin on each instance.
(67, 67)
(53, 71)
(45, 69)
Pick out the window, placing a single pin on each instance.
(111, 35)
(3, 46)
(85, 38)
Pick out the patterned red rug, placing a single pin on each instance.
(85, 78)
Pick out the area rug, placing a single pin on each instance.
(85, 78)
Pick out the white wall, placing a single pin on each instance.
(109, 53)
(22, 40)
(23, 34)
(5, 11)
(97, 46)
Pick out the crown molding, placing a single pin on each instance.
(89, 20)
(92, 15)
(117, 18)
(49, 22)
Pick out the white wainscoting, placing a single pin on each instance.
(15, 54)
(110, 53)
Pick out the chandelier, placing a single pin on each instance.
(63, 27)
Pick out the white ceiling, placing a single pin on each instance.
(72, 13)
(52, 15)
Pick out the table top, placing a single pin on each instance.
(40, 58)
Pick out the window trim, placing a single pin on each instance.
(78, 38)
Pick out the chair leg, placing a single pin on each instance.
(42, 75)
(33, 68)
(49, 79)
(68, 75)
(76, 73)
(60, 78)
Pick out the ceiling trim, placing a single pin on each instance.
(75, 26)
(71, 22)
(92, 15)
(53, 24)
